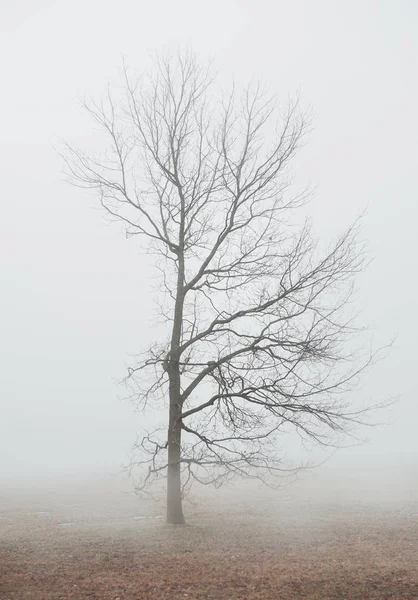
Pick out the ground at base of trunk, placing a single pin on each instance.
(227, 551)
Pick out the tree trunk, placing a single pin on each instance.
(174, 501)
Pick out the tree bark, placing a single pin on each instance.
(174, 500)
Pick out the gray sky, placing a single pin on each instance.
(74, 300)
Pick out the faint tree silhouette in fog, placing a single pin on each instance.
(258, 337)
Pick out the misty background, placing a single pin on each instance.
(76, 300)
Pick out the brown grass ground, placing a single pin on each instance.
(249, 545)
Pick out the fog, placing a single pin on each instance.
(75, 298)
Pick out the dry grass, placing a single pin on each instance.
(234, 547)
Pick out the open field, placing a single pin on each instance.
(310, 540)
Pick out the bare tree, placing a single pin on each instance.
(259, 333)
